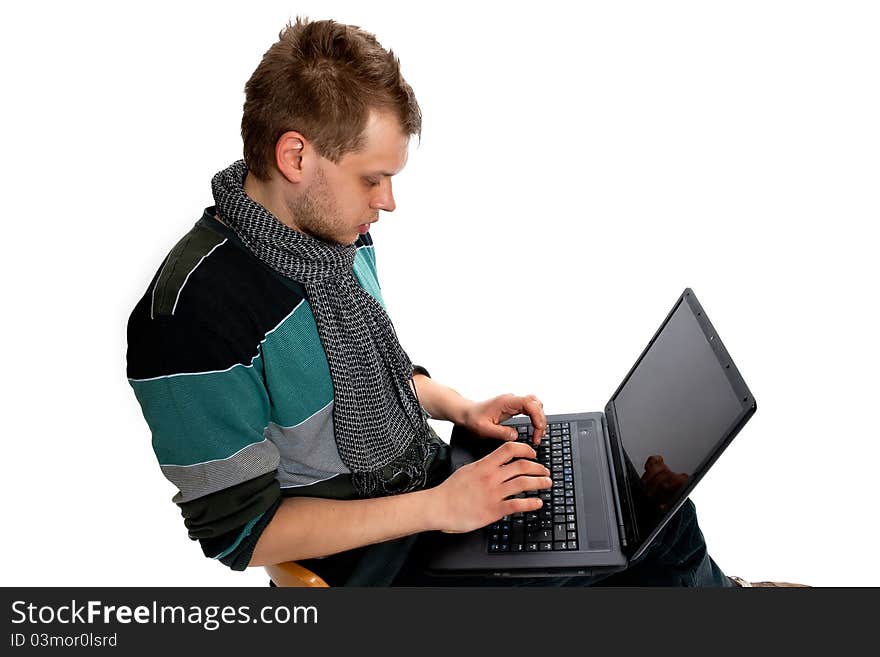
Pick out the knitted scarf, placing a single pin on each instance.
(380, 429)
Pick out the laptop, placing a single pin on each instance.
(618, 475)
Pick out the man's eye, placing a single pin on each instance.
(371, 182)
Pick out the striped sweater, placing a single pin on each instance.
(225, 360)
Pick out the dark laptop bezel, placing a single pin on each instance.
(633, 543)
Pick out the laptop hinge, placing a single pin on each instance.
(622, 495)
(621, 528)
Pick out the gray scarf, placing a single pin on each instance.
(380, 429)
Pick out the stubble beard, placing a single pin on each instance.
(315, 213)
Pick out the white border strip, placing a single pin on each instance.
(294, 426)
(193, 465)
(174, 307)
(312, 483)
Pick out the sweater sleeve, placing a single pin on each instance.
(207, 433)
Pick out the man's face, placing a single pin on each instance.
(343, 199)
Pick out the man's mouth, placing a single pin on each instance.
(364, 228)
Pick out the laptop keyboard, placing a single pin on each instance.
(553, 527)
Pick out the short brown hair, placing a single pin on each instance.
(322, 78)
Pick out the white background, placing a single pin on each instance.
(579, 166)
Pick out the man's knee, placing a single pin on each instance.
(687, 514)
(679, 532)
(682, 523)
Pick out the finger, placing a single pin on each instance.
(521, 505)
(510, 451)
(519, 485)
(664, 483)
(652, 482)
(653, 468)
(534, 408)
(649, 484)
(499, 431)
(660, 484)
(668, 483)
(676, 481)
(523, 467)
(490, 429)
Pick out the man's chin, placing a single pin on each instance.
(357, 235)
(333, 239)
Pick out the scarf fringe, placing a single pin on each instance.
(408, 472)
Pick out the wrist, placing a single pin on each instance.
(462, 410)
(442, 402)
(434, 508)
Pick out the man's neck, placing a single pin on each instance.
(265, 194)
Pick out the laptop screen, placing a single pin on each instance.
(680, 405)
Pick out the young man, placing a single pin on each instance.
(281, 404)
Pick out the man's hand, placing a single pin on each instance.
(660, 483)
(485, 418)
(476, 494)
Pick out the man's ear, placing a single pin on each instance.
(291, 150)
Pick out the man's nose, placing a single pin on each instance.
(384, 198)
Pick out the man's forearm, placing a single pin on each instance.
(441, 402)
(306, 527)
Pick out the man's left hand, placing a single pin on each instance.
(485, 418)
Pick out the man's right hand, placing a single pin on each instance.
(476, 494)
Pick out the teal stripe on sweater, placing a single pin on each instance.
(365, 272)
(297, 374)
(202, 417)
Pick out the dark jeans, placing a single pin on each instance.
(677, 557)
